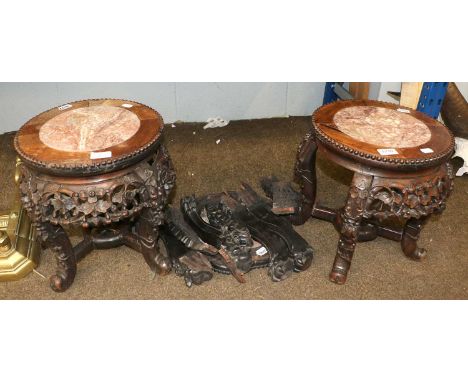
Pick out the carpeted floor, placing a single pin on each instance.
(247, 151)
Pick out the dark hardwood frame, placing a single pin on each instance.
(116, 201)
(409, 187)
(45, 159)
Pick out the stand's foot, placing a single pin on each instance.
(344, 255)
(147, 232)
(351, 220)
(163, 263)
(345, 251)
(410, 238)
(337, 277)
(55, 238)
(195, 268)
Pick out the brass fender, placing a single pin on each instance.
(19, 250)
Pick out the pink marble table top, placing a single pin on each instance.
(382, 126)
(90, 128)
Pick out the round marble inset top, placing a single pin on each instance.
(381, 126)
(90, 128)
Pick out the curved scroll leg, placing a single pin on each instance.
(55, 238)
(366, 232)
(280, 268)
(410, 238)
(148, 232)
(351, 220)
(306, 177)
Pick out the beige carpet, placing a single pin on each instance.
(247, 151)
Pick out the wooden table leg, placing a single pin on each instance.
(306, 177)
(410, 238)
(351, 219)
(147, 230)
(55, 238)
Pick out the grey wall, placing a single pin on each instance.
(178, 101)
(189, 102)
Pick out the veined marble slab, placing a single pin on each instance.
(90, 128)
(381, 126)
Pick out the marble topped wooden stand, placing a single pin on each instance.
(98, 164)
(400, 162)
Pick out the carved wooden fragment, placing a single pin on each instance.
(236, 232)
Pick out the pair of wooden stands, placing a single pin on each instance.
(99, 164)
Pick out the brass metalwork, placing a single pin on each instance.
(23, 254)
(19, 251)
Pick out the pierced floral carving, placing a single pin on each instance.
(148, 185)
(135, 198)
(413, 200)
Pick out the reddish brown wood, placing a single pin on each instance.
(359, 90)
(117, 201)
(36, 154)
(328, 135)
(410, 238)
(410, 185)
(305, 175)
(351, 218)
(57, 240)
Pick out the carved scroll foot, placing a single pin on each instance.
(195, 268)
(55, 238)
(163, 264)
(339, 272)
(303, 260)
(351, 220)
(147, 232)
(281, 269)
(410, 238)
